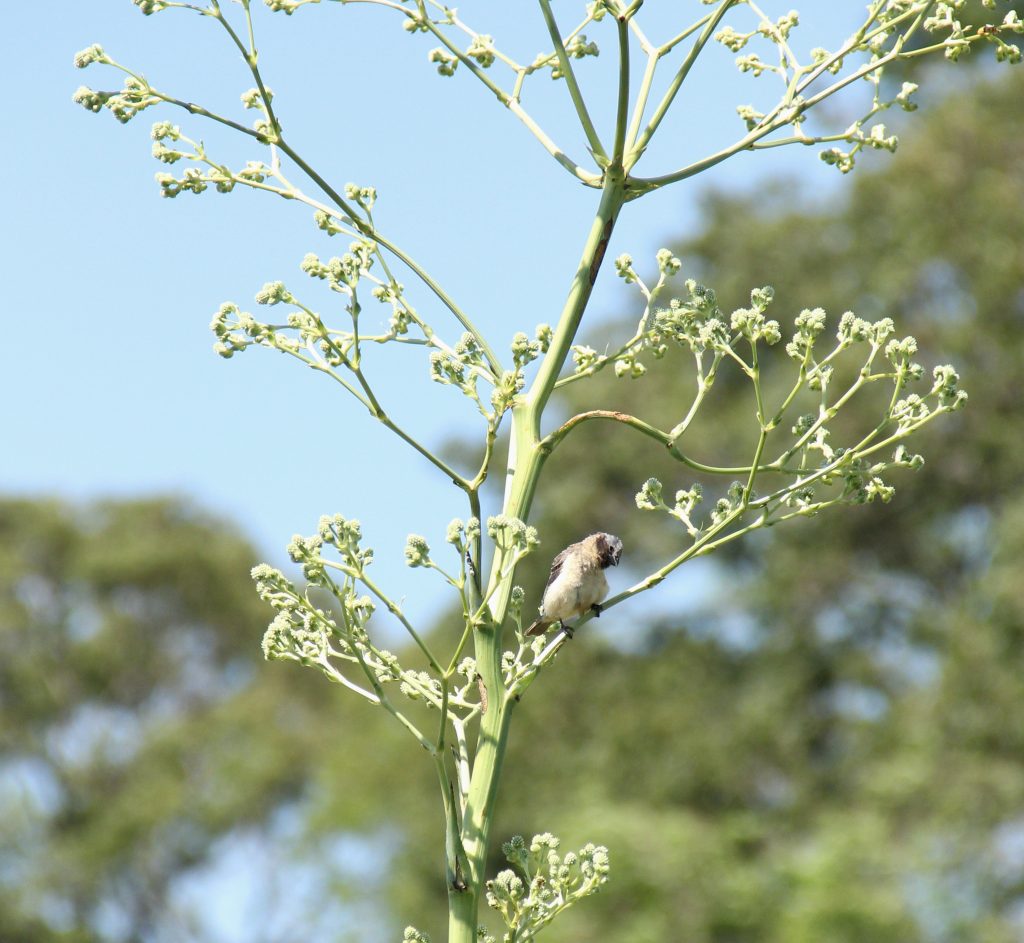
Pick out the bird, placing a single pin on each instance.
(576, 583)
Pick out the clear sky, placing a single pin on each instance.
(111, 385)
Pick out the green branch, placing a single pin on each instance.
(640, 145)
(597, 149)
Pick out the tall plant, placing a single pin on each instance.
(802, 457)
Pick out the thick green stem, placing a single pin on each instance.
(483, 788)
(526, 458)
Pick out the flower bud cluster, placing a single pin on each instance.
(511, 535)
(650, 497)
(236, 330)
(626, 365)
(626, 361)
(415, 684)
(299, 631)
(751, 322)
(464, 365)
(302, 632)
(854, 330)
(726, 507)
(876, 138)
(750, 116)
(904, 458)
(414, 22)
(481, 50)
(136, 95)
(899, 354)
(195, 180)
(345, 536)
(781, 28)
(392, 293)
(903, 98)
(668, 264)
(342, 273)
(288, 7)
(509, 385)
(861, 482)
(577, 48)
(450, 370)
(809, 326)
(695, 321)
(516, 600)
(306, 552)
(549, 882)
(753, 64)
(417, 551)
(584, 358)
(947, 388)
(461, 535)
(525, 351)
(445, 61)
(732, 40)
(192, 181)
(252, 98)
(624, 269)
(88, 56)
(776, 32)
(364, 197)
(820, 55)
(880, 40)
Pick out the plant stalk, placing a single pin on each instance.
(526, 458)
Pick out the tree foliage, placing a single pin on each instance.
(138, 725)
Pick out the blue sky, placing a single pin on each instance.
(112, 388)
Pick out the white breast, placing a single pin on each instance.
(573, 593)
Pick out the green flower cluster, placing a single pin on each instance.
(525, 350)
(299, 631)
(579, 47)
(650, 498)
(546, 883)
(303, 632)
(511, 535)
(464, 365)
(880, 40)
(136, 96)
(817, 473)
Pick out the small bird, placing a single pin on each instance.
(576, 583)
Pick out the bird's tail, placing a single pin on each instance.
(540, 626)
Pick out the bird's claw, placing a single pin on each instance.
(597, 609)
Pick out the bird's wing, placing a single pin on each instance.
(556, 565)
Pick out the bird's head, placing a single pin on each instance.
(609, 549)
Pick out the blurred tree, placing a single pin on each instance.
(141, 733)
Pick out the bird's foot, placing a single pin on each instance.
(597, 609)
(567, 629)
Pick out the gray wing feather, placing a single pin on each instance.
(556, 565)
